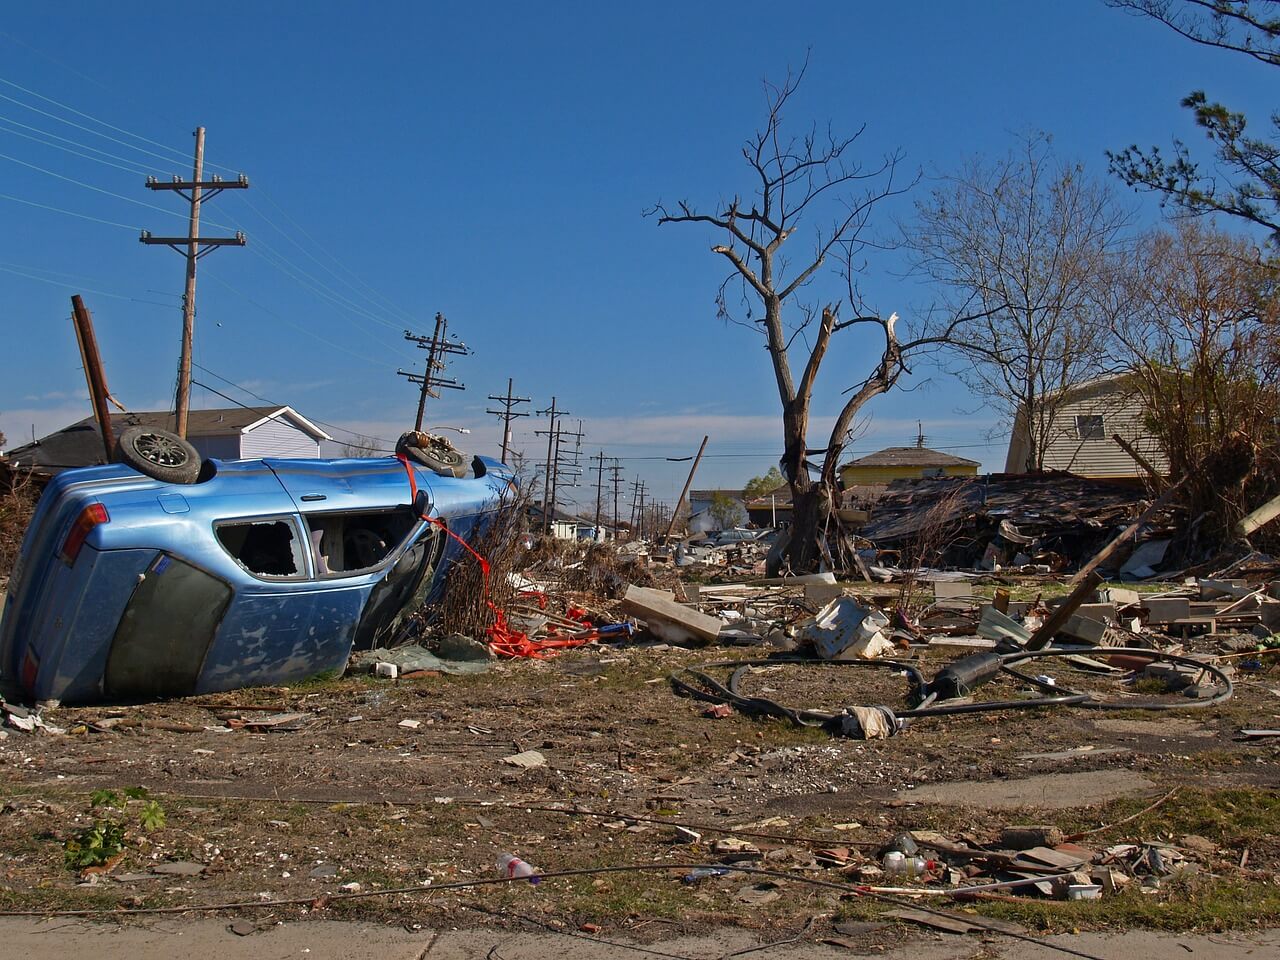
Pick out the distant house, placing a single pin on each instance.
(702, 520)
(904, 463)
(233, 433)
(1080, 437)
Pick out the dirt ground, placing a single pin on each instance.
(354, 795)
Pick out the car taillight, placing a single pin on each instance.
(90, 517)
(30, 670)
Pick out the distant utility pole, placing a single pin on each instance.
(438, 346)
(551, 434)
(193, 248)
(640, 511)
(567, 464)
(599, 459)
(507, 414)
(687, 484)
(635, 498)
(616, 480)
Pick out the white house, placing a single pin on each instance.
(233, 433)
(1080, 439)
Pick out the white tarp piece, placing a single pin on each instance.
(1143, 561)
(845, 630)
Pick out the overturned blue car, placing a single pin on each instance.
(246, 572)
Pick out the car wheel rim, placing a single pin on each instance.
(161, 451)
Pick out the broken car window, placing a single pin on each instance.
(266, 548)
(345, 543)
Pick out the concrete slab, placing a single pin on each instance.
(1167, 609)
(672, 621)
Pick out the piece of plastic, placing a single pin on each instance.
(512, 867)
(898, 864)
(702, 873)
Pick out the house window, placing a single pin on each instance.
(1090, 427)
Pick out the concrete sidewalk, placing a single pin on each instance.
(165, 938)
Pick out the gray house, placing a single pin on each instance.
(233, 433)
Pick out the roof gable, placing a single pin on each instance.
(910, 457)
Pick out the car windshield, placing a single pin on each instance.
(348, 543)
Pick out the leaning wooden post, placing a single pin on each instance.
(1127, 532)
(94, 375)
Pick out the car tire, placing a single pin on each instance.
(439, 456)
(158, 454)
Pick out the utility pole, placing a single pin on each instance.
(687, 484)
(616, 480)
(635, 499)
(193, 248)
(507, 414)
(438, 346)
(599, 458)
(568, 465)
(94, 375)
(640, 512)
(553, 414)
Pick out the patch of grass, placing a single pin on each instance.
(1205, 905)
(1234, 817)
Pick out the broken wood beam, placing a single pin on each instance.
(1058, 619)
(1259, 518)
(1141, 461)
(1101, 556)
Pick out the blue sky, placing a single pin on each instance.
(494, 164)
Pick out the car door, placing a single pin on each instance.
(365, 536)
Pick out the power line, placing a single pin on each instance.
(78, 286)
(138, 168)
(384, 305)
(310, 333)
(109, 193)
(96, 133)
(69, 213)
(276, 403)
(284, 263)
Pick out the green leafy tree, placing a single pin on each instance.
(762, 486)
(725, 511)
(1249, 184)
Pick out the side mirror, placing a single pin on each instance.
(421, 504)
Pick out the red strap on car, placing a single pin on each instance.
(504, 640)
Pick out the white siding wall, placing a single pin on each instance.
(279, 437)
(1121, 414)
(223, 448)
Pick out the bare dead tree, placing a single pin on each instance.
(359, 446)
(1201, 331)
(798, 180)
(1025, 237)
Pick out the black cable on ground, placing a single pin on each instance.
(931, 698)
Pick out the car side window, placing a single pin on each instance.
(344, 544)
(267, 547)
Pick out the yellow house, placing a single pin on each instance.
(904, 463)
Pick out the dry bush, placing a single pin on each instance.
(463, 609)
(603, 572)
(943, 522)
(18, 496)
